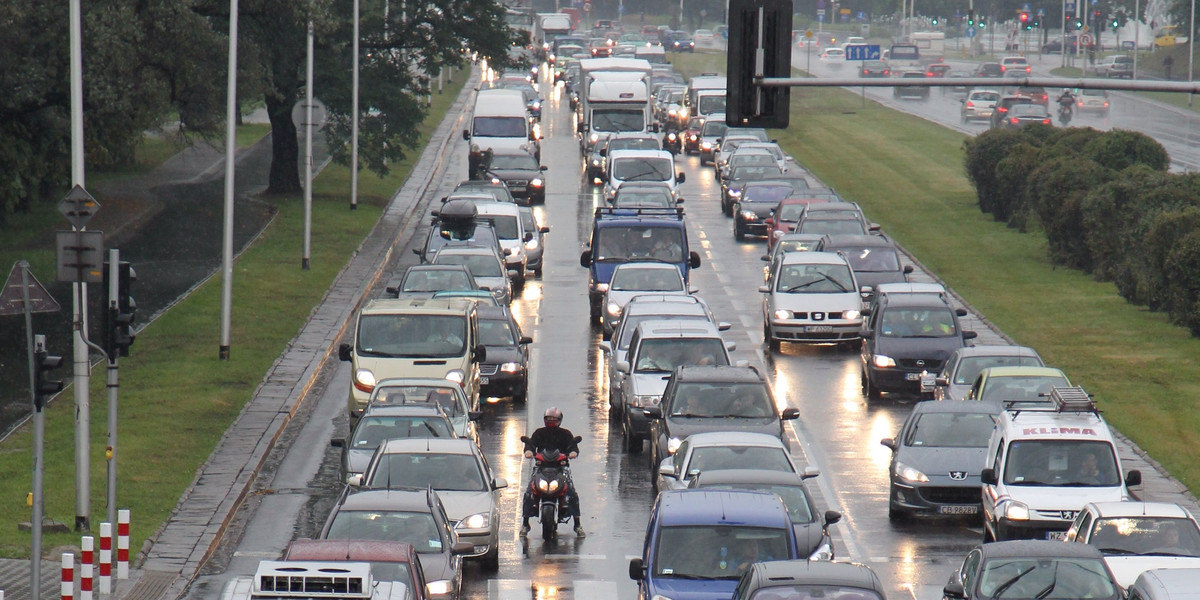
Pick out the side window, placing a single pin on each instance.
(996, 464)
(1082, 528)
(969, 566)
(632, 355)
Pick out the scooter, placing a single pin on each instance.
(548, 489)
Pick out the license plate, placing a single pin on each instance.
(985, 113)
(958, 510)
(819, 328)
(516, 188)
(483, 380)
(912, 376)
(1056, 536)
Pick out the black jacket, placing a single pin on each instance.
(557, 438)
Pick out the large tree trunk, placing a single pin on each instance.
(285, 149)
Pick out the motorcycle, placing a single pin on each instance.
(548, 489)
(1064, 114)
(673, 141)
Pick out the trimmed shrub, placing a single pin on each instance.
(1155, 284)
(1119, 149)
(1057, 189)
(1108, 213)
(1011, 200)
(1182, 271)
(981, 155)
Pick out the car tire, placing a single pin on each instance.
(771, 342)
(491, 561)
(522, 396)
(896, 515)
(738, 233)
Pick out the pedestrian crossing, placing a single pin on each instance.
(612, 589)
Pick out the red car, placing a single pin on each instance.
(397, 559)
(783, 218)
(937, 70)
(691, 135)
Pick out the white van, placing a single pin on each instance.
(641, 165)
(500, 122)
(1044, 464)
(506, 220)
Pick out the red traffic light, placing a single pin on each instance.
(1024, 17)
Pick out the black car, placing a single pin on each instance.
(911, 91)
(905, 336)
(809, 579)
(695, 392)
(1020, 115)
(758, 200)
(873, 258)
(505, 373)
(1027, 568)
(731, 186)
(990, 69)
(520, 171)
(1004, 104)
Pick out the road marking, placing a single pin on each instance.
(587, 589)
(575, 556)
(510, 589)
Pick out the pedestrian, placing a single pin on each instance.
(1168, 62)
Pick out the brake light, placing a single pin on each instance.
(970, 104)
(1003, 68)
(885, 71)
(1045, 121)
(1106, 104)
(1014, 120)
(1001, 109)
(1080, 103)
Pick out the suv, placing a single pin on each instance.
(906, 335)
(457, 223)
(657, 348)
(1117, 65)
(701, 398)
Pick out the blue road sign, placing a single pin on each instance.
(1070, 8)
(820, 18)
(862, 52)
(1025, 7)
(971, 32)
(1041, 12)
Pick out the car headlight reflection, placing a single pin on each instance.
(511, 367)
(673, 445)
(536, 182)
(748, 215)
(594, 138)
(614, 309)
(850, 315)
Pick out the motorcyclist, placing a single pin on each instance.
(1066, 101)
(552, 437)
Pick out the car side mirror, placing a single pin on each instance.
(889, 442)
(988, 476)
(970, 335)
(653, 412)
(954, 590)
(475, 415)
(354, 480)
(730, 346)
(764, 289)
(1133, 478)
(962, 312)
(693, 260)
(525, 340)
(693, 290)
(466, 135)
(810, 472)
(604, 152)
(585, 259)
(679, 201)
(724, 326)
(908, 269)
(623, 366)
(637, 570)
(544, 229)
(344, 352)
(392, 291)
(831, 517)
(790, 414)
(461, 548)
(942, 382)
(543, 168)
(499, 483)
(479, 354)
(667, 468)
(764, 258)
(527, 237)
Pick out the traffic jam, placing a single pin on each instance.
(462, 478)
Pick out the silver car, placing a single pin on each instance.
(812, 297)
(964, 365)
(446, 395)
(979, 105)
(381, 422)
(457, 470)
(485, 266)
(719, 450)
(635, 278)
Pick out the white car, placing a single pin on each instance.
(833, 56)
(635, 278)
(979, 105)
(812, 297)
(641, 165)
(721, 450)
(703, 36)
(1139, 536)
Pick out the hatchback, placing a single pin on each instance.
(979, 105)
(1023, 569)
(505, 373)
(720, 450)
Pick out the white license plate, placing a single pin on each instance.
(958, 510)
(985, 113)
(516, 188)
(1057, 536)
(912, 376)
(819, 328)
(483, 381)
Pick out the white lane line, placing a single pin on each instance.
(509, 589)
(587, 589)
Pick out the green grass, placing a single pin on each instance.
(177, 398)
(908, 176)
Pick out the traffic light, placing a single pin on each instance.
(747, 104)
(1115, 24)
(970, 18)
(935, 21)
(118, 319)
(1024, 17)
(1078, 23)
(43, 362)
(981, 23)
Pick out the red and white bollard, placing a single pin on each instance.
(105, 558)
(123, 544)
(86, 560)
(68, 576)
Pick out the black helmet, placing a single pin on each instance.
(552, 417)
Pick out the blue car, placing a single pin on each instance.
(701, 541)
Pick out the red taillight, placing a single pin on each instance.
(1080, 103)
(1106, 104)
(1028, 69)
(1003, 68)
(1045, 121)
(1014, 120)
(885, 71)
(1001, 109)
(970, 104)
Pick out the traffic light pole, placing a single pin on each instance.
(39, 437)
(110, 453)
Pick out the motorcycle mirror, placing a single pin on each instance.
(577, 439)
(525, 439)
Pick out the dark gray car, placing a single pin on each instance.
(873, 258)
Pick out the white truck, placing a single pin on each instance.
(932, 45)
(313, 580)
(545, 27)
(709, 84)
(615, 98)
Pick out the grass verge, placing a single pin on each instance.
(908, 176)
(177, 398)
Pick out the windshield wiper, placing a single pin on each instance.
(1120, 551)
(1007, 584)
(1050, 588)
(432, 431)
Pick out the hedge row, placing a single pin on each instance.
(1107, 206)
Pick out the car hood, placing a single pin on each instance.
(649, 383)
(939, 463)
(681, 427)
(818, 302)
(762, 209)
(1127, 568)
(501, 354)
(938, 348)
(515, 173)
(492, 283)
(463, 504)
(694, 589)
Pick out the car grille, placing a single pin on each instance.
(486, 370)
(818, 317)
(951, 495)
(517, 182)
(931, 364)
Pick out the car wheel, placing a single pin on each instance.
(738, 234)
(772, 343)
(896, 515)
(521, 396)
(491, 561)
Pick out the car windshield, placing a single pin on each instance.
(766, 193)
(793, 496)
(904, 52)
(624, 243)
(951, 430)
(449, 399)
(416, 528)
(643, 169)
(648, 280)
(412, 335)
(918, 322)
(832, 226)
(872, 259)
(716, 551)
(713, 128)
(702, 399)
(790, 212)
(644, 199)
(1137, 536)
(1067, 463)
(760, 171)
(613, 120)
(711, 103)
(434, 280)
(1045, 578)
(1027, 110)
(814, 592)
(496, 332)
(815, 279)
(629, 325)
(499, 127)
(514, 161)
(741, 160)
(373, 430)
(442, 472)
(795, 245)
(478, 265)
(495, 191)
(716, 458)
(663, 355)
(969, 367)
(1033, 388)
(634, 144)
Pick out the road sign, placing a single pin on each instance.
(1070, 8)
(587, 7)
(821, 17)
(1085, 28)
(80, 256)
(862, 52)
(1085, 39)
(78, 206)
(820, 12)
(1041, 12)
(971, 32)
(12, 298)
(1025, 7)
(300, 113)
(808, 33)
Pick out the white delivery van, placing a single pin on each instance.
(500, 122)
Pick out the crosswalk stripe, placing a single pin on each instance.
(509, 589)
(589, 589)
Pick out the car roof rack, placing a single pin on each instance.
(1073, 399)
(655, 211)
(288, 579)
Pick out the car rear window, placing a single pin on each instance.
(985, 97)
(904, 52)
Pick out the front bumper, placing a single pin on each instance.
(483, 541)
(809, 332)
(936, 498)
(637, 424)
(495, 383)
(895, 379)
(1034, 529)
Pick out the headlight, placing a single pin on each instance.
(475, 521)
(613, 308)
(734, 192)
(783, 315)
(850, 315)
(595, 162)
(673, 445)
(531, 245)
(475, 148)
(706, 145)
(364, 380)
(498, 292)
(683, 113)
(440, 587)
(747, 215)
(644, 400)
(537, 106)
(601, 287)
(594, 137)
(536, 182)
(511, 367)
(672, 136)
(456, 375)
(908, 473)
(882, 361)
(693, 138)
(548, 487)
(495, 181)
(672, 112)
(1016, 511)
